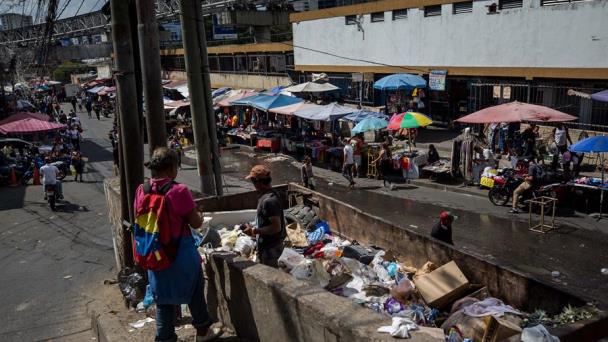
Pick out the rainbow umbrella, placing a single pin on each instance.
(409, 120)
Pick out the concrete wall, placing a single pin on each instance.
(237, 81)
(569, 36)
(260, 303)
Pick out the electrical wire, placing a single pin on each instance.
(79, 7)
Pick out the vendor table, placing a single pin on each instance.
(592, 187)
(274, 144)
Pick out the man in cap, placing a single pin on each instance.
(270, 223)
(442, 230)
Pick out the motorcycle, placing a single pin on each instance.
(508, 180)
(51, 194)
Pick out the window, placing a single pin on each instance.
(276, 64)
(351, 19)
(557, 2)
(257, 64)
(240, 64)
(377, 17)
(462, 7)
(432, 11)
(400, 14)
(506, 4)
(213, 64)
(226, 63)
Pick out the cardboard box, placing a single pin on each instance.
(442, 286)
(499, 329)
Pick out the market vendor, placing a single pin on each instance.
(270, 222)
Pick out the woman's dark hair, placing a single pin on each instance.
(431, 147)
(162, 159)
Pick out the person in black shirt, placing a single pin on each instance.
(433, 155)
(442, 230)
(270, 222)
(532, 181)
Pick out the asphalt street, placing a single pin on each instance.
(53, 263)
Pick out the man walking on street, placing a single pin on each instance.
(73, 102)
(347, 166)
(79, 102)
(89, 107)
(270, 222)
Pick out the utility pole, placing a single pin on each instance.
(149, 52)
(211, 120)
(196, 88)
(130, 134)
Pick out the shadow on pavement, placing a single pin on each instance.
(95, 152)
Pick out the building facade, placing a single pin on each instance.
(490, 51)
(10, 21)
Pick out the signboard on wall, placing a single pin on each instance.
(437, 80)
(221, 32)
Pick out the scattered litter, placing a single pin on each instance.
(537, 333)
(131, 330)
(604, 271)
(67, 277)
(276, 159)
(141, 323)
(330, 183)
(413, 226)
(110, 282)
(581, 245)
(555, 274)
(400, 328)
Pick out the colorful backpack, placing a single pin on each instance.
(154, 248)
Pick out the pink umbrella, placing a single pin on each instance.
(394, 123)
(29, 126)
(25, 115)
(226, 102)
(516, 112)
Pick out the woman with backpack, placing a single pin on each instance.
(165, 211)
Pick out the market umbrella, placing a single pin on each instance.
(597, 144)
(400, 82)
(29, 126)
(362, 114)
(328, 112)
(238, 95)
(516, 112)
(409, 120)
(220, 91)
(369, 124)
(246, 101)
(312, 87)
(290, 109)
(265, 102)
(25, 115)
(601, 96)
(274, 91)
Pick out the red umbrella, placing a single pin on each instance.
(28, 126)
(25, 115)
(516, 112)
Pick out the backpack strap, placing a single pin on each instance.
(147, 187)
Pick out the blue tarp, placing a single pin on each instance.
(220, 91)
(274, 91)
(400, 82)
(332, 111)
(266, 102)
(597, 144)
(245, 101)
(357, 117)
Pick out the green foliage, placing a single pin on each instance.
(568, 315)
(62, 72)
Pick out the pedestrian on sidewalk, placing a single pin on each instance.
(79, 102)
(306, 174)
(89, 107)
(349, 162)
(383, 163)
(270, 222)
(182, 282)
(78, 164)
(357, 144)
(442, 230)
(73, 102)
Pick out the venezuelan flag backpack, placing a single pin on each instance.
(154, 248)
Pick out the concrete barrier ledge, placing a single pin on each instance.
(264, 304)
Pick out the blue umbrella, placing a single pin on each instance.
(274, 91)
(400, 82)
(601, 96)
(370, 124)
(266, 102)
(597, 144)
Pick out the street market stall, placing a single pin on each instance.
(29, 126)
(597, 144)
(401, 91)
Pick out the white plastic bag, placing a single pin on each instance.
(244, 245)
(381, 272)
(289, 259)
(313, 271)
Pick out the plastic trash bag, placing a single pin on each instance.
(289, 259)
(313, 271)
(400, 328)
(244, 245)
(132, 284)
(229, 240)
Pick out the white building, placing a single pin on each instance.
(10, 21)
(560, 43)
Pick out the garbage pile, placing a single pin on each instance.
(432, 296)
